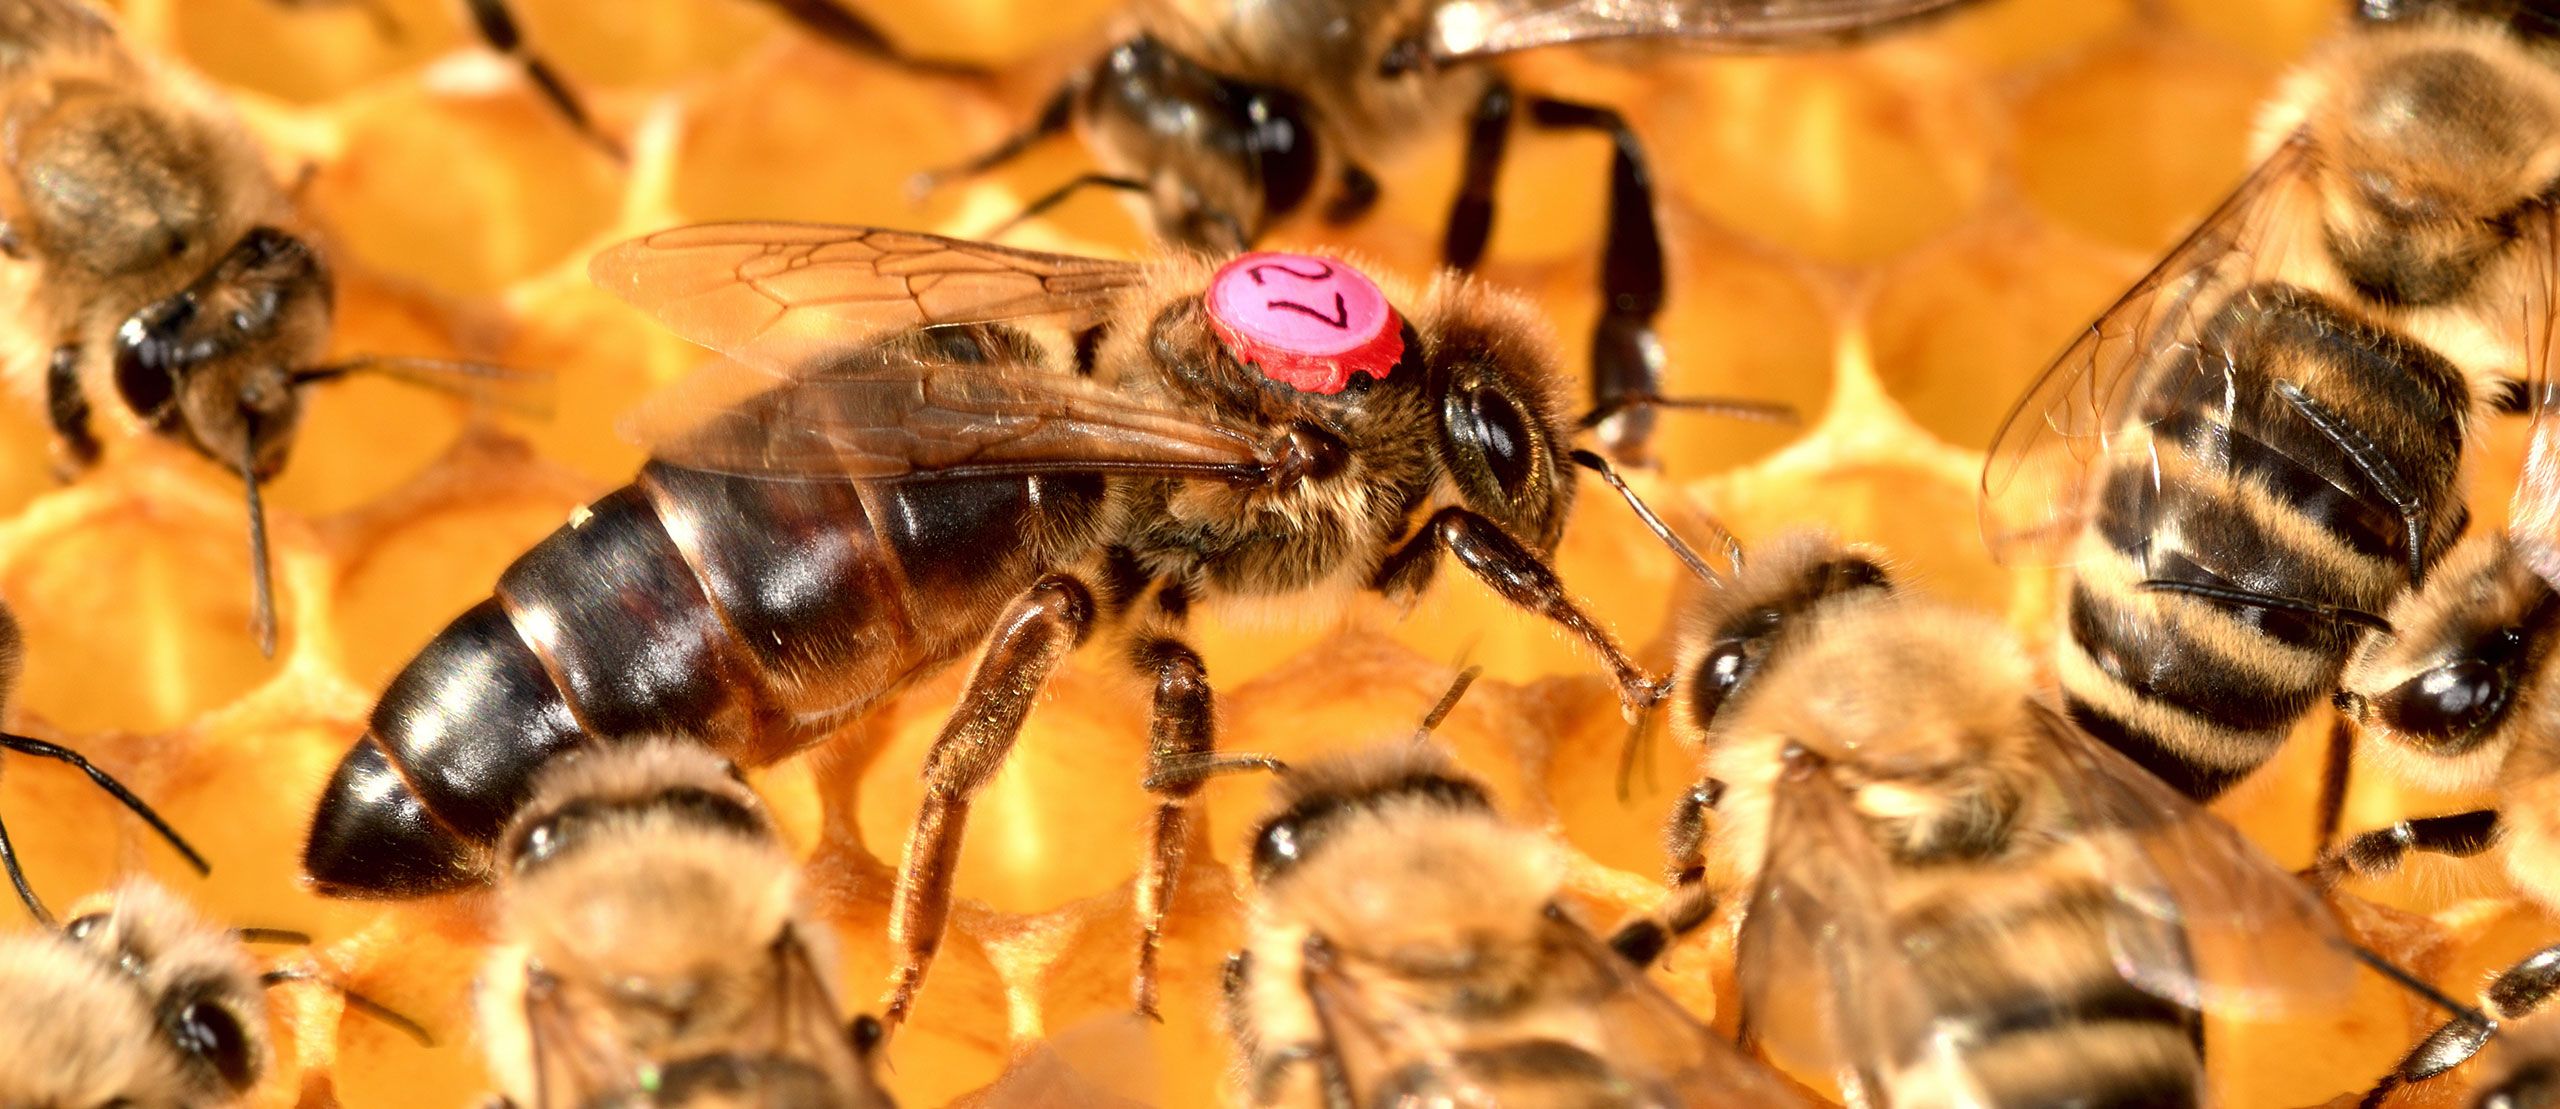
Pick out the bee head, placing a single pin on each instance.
(1738, 627)
(1505, 437)
(214, 362)
(202, 995)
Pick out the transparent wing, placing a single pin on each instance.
(573, 1065)
(807, 1028)
(2153, 343)
(1826, 988)
(910, 405)
(1658, 1044)
(2205, 907)
(780, 296)
(875, 354)
(1476, 28)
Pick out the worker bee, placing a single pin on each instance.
(1226, 118)
(1996, 908)
(656, 951)
(140, 1001)
(170, 291)
(2259, 450)
(979, 448)
(1406, 944)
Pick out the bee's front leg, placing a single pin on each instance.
(1035, 633)
(496, 25)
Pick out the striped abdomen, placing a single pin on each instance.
(752, 615)
(2243, 490)
(2020, 973)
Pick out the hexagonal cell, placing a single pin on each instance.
(515, 192)
(416, 577)
(2022, 34)
(1960, 329)
(1924, 522)
(2279, 31)
(2135, 142)
(184, 561)
(1796, 149)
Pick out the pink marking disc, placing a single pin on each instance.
(1307, 322)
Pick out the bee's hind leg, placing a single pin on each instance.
(1036, 631)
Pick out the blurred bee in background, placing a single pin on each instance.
(168, 288)
(947, 447)
(1228, 117)
(12, 661)
(2259, 450)
(656, 951)
(1996, 909)
(1405, 944)
(140, 1001)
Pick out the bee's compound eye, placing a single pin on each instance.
(2451, 703)
(1503, 434)
(1718, 675)
(208, 1031)
(85, 925)
(1277, 847)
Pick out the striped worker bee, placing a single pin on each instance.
(171, 293)
(1406, 944)
(2258, 452)
(1227, 117)
(656, 951)
(1949, 894)
(140, 1001)
(947, 447)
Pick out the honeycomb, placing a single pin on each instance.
(1892, 239)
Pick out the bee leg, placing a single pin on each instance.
(1520, 576)
(1470, 223)
(1057, 196)
(1055, 115)
(67, 408)
(1036, 631)
(1357, 195)
(1690, 902)
(2460, 835)
(2516, 992)
(840, 25)
(2376, 468)
(1182, 730)
(497, 27)
(1626, 354)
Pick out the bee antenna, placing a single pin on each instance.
(1733, 548)
(43, 750)
(2416, 985)
(262, 586)
(1449, 700)
(1756, 411)
(356, 1001)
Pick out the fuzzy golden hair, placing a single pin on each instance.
(657, 928)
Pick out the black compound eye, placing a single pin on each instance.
(1719, 674)
(2452, 702)
(1279, 845)
(85, 925)
(1498, 430)
(208, 1031)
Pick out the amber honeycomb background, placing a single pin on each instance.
(1891, 239)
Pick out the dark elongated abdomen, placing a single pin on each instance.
(753, 615)
(2241, 490)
